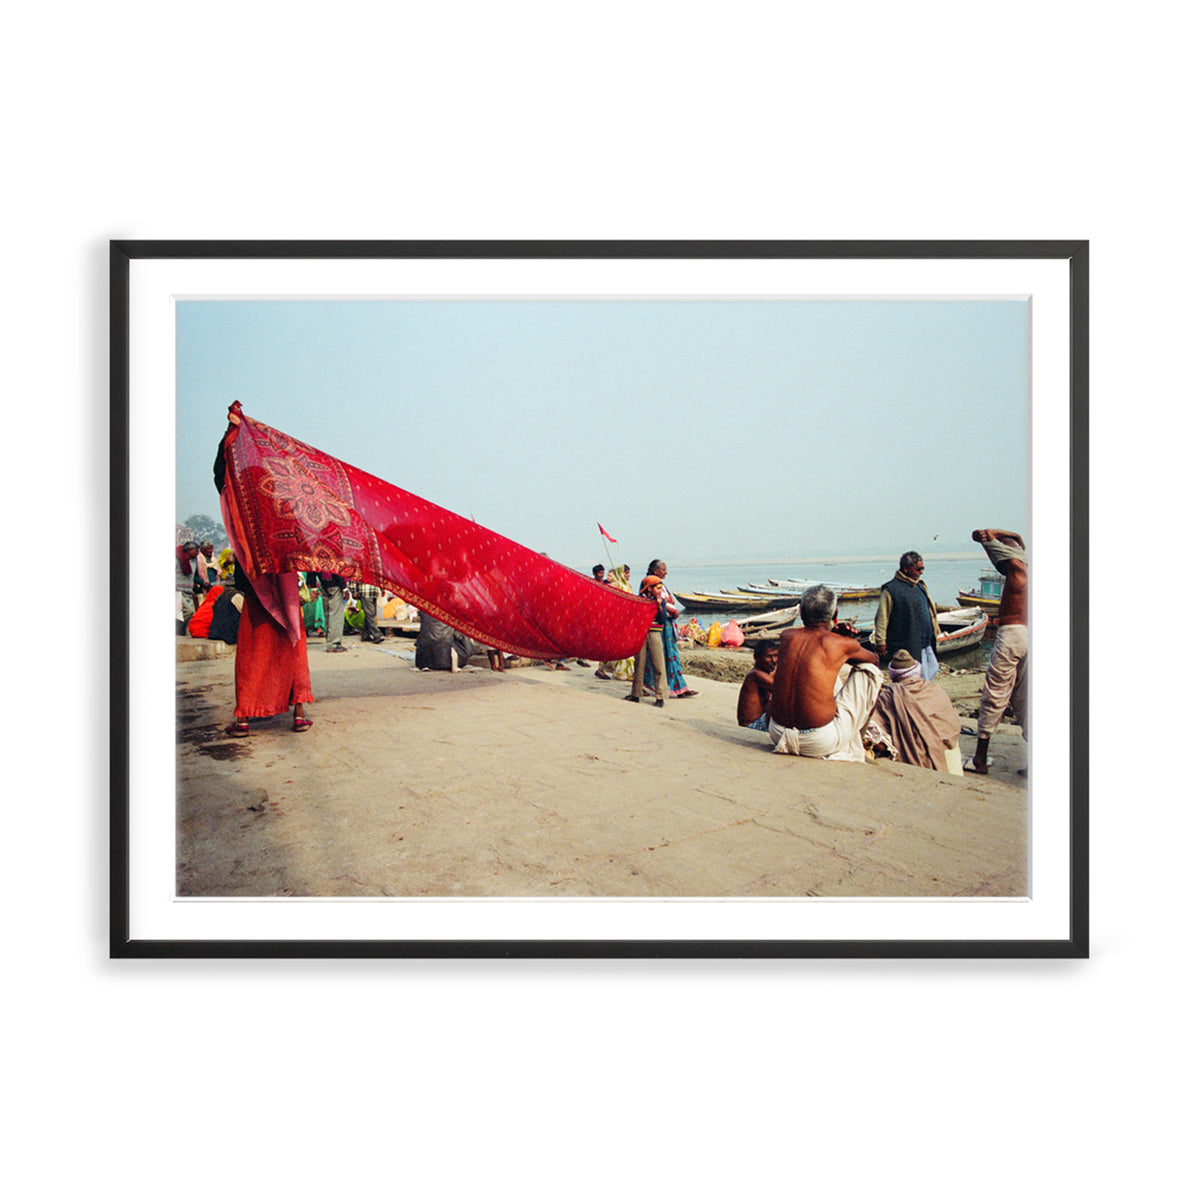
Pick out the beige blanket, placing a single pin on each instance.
(919, 721)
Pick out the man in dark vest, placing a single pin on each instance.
(907, 617)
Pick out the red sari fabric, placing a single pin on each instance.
(289, 507)
(201, 623)
(270, 670)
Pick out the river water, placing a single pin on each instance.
(944, 577)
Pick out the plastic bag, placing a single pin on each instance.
(732, 635)
(714, 634)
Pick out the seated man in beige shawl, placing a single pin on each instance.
(914, 721)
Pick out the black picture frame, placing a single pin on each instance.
(124, 254)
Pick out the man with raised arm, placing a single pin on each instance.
(1005, 682)
(826, 685)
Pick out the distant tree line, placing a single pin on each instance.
(199, 528)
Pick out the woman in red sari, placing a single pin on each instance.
(270, 666)
(271, 661)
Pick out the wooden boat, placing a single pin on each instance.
(720, 602)
(770, 625)
(957, 615)
(801, 585)
(987, 596)
(961, 628)
(775, 619)
(848, 593)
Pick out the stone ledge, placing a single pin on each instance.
(189, 649)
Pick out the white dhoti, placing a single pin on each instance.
(929, 663)
(1005, 681)
(841, 739)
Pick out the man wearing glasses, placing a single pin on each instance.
(907, 617)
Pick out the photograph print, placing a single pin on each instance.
(579, 604)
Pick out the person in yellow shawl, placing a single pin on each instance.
(623, 669)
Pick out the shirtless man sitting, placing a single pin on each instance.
(1004, 683)
(826, 685)
(755, 695)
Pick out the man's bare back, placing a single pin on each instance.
(806, 676)
(754, 696)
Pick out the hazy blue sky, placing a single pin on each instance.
(696, 430)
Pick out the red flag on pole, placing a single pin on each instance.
(606, 533)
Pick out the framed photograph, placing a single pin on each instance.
(437, 509)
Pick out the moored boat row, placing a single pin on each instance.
(959, 628)
(776, 593)
(732, 602)
(765, 610)
(846, 592)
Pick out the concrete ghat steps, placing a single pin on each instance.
(190, 649)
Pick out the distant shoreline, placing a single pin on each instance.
(832, 561)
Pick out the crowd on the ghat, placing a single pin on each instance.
(270, 625)
(822, 693)
(817, 692)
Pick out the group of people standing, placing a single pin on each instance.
(330, 594)
(657, 665)
(821, 693)
(195, 575)
(265, 619)
(208, 598)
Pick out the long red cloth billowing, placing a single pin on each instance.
(290, 507)
(270, 670)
